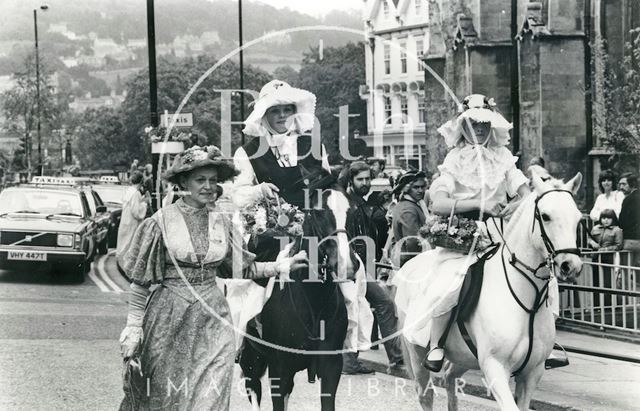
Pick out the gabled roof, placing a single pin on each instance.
(375, 7)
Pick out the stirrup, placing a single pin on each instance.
(557, 362)
(433, 365)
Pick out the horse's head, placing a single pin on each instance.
(325, 229)
(556, 219)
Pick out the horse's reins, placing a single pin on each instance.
(542, 294)
(323, 268)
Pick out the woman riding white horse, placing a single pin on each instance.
(476, 178)
(511, 330)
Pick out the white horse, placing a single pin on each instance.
(541, 232)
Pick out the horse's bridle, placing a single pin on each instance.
(542, 294)
(551, 250)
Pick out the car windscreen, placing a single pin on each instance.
(110, 194)
(32, 201)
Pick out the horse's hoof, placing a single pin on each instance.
(550, 363)
(434, 366)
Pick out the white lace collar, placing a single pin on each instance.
(478, 167)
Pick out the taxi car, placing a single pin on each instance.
(51, 221)
(112, 193)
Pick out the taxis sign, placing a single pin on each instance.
(181, 119)
(53, 180)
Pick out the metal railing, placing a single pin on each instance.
(606, 293)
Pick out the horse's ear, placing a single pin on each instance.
(536, 180)
(573, 185)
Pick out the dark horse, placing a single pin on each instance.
(305, 322)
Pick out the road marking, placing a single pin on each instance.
(97, 281)
(103, 274)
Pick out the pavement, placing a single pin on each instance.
(588, 383)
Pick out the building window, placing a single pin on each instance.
(421, 109)
(404, 109)
(386, 153)
(403, 57)
(387, 59)
(419, 53)
(385, 8)
(387, 110)
(418, 7)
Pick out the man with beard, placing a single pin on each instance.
(362, 229)
(630, 215)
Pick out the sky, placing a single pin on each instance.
(315, 8)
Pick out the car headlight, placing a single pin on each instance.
(65, 240)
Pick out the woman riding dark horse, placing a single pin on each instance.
(284, 160)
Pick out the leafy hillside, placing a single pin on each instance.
(122, 20)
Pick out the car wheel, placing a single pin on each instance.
(77, 273)
(71, 273)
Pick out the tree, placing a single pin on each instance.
(335, 79)
(101, 141)
(20, 108)
(286, 73)
(617, 103)
(175, 79)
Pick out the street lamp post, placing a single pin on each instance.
(44, 7)
(241, 65)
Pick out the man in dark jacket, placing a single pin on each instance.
(363, 232)
(630, 215)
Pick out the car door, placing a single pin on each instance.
(89, 238)
(101, 216)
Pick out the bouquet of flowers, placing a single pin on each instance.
(157, 134)
(274, 218)
(455, 233)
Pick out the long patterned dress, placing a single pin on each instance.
(188, 348)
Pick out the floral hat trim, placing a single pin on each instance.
(480, 109)
(196, 157)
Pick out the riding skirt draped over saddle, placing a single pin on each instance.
(257, 167)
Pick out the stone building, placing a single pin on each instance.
(533, 57)
(394, 89)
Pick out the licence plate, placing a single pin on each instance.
(27, 255)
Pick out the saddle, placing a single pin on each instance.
(468, 300)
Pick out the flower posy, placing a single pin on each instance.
(439, 230)
(275, 217)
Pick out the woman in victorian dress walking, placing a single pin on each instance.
(178, 344)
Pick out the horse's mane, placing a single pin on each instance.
(527, 204)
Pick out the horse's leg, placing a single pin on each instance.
(526, 385)
(413, 355)
(281, 381)
(451, 375)
(329, 371)
(497, 377)
(253, 367)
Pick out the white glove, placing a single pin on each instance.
(269, 190)
(130, 341)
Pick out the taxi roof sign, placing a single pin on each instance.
(109, 179)
(53, 180)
